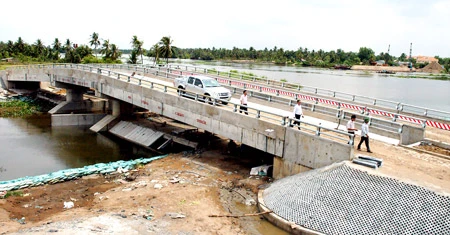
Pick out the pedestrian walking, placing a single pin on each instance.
(351, 126)
(365, 135)
(298, 113)
(243, 100)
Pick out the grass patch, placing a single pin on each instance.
(17, 108)
(16, 193)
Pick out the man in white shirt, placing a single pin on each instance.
(298, 113)
(351, 125)
(365, 135)
(243, 101)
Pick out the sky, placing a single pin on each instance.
(287, 24)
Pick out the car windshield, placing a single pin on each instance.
(210, 83)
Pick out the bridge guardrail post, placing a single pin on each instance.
(319, 128)
(352, 139)
(140, 82)
(258, 113)
(128, 79)
(151, 85)
(283, 121)
(235, 108)
(165, 88)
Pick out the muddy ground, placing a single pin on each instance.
(194, 187)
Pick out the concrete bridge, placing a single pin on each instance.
(294, 151)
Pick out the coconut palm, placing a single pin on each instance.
(20, 45)
(56, 48)
(166, 49)
(38, 48)
(137, 46)
(115, 52)
(154, 51)
(95, 41)
(68, 51)
(106, 49)
(133, 57)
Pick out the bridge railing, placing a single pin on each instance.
(157, 70)
(283, 120)
(391, 128)
(400, 107)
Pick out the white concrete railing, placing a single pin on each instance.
(318, 130)
(380, 123)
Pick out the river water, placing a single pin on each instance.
(32, 147)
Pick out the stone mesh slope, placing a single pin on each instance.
(343, 200)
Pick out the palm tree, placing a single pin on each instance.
(20, 45)
(95, 41)
(68, 46)
(154, 51)
(166, 49)
(56, 48)
(133, 57)
(115, 52)
(137, 46)
(68, 51)
(106, 49)
(39, 48)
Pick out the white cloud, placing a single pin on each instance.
(289, 24)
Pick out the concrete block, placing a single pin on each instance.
(411, 134)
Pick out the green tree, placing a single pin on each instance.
(366, 55)
(115, 52)
(154, 52)
(38, 48)
(402, 57)
(95, 41)
(106, 49)
(133, 57)
(19, 46)
(137, 46)
(165, 48)
(56, 49)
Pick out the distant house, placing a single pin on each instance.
(7, 60)
(424, 59)
(380, 62)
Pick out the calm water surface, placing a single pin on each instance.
(32, 147)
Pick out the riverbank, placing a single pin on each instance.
(174, 195)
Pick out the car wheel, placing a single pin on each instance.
(208, 99)
(224, 103)
(181, 91)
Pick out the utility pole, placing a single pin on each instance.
(389, 48)
(410, 57)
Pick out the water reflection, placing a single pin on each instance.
(32, 147)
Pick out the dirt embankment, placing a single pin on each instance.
(174, 195)
(380, 68)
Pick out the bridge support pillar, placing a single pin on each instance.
(75, 103)
(74, 95)
(120, 108)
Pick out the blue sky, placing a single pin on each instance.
(287, 24)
